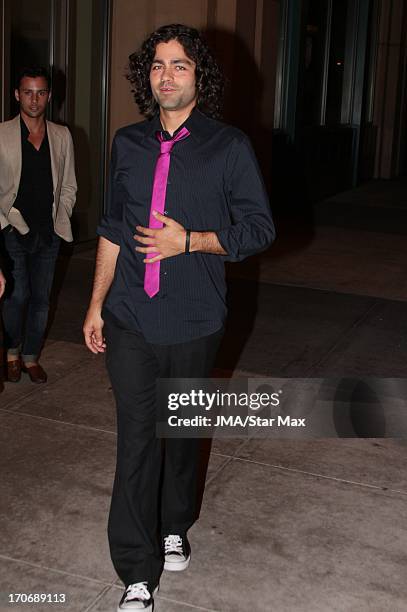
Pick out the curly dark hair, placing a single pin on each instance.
(209, 76)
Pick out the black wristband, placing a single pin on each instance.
(187, 240)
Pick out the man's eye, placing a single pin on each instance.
(156, 67)
(180, 67)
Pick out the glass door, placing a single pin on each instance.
(88, 110)
(70, 38)
(26, 41)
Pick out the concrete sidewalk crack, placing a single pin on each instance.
(343, 337)
(98, 597)
(58, 421)
(56, 571)
(283, 468)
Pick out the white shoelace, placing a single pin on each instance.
(138, 590)
(173, 543)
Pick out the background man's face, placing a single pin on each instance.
(172, 77)
(33, 95)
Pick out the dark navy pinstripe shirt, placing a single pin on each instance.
(214, 184)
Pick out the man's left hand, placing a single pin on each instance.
(165, 242)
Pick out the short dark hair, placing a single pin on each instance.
(209, 76)
(32, 72)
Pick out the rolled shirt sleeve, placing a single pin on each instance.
(252, 228)
(111, 224)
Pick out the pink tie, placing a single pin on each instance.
(152, 273)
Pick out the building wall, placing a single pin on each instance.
(390, 115)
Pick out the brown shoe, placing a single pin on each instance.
(36, 373)
(14, 370)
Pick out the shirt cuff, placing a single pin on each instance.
(108, 230)
(229, 245)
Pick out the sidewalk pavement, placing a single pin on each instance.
(285, 525)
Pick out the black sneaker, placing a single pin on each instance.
(177, 553)
(137, 596)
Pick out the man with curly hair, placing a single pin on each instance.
(185, 194)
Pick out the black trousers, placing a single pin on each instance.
(155, 486)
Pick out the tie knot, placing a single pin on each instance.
(166, 145)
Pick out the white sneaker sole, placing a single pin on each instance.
(177, 566)
(149, 608)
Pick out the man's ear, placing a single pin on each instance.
(49, 95)
(17, 95)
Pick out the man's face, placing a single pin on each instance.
(172, 77)
(33, 95)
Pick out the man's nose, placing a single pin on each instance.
(167, 73)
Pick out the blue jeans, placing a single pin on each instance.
(26, 303)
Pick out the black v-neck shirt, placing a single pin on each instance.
(36, 191)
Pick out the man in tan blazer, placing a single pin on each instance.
(37, 195)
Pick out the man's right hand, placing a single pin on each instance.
(92, 331)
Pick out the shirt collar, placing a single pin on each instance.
(195, 123)
(25, 132)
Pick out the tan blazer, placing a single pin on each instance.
(63, 176)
